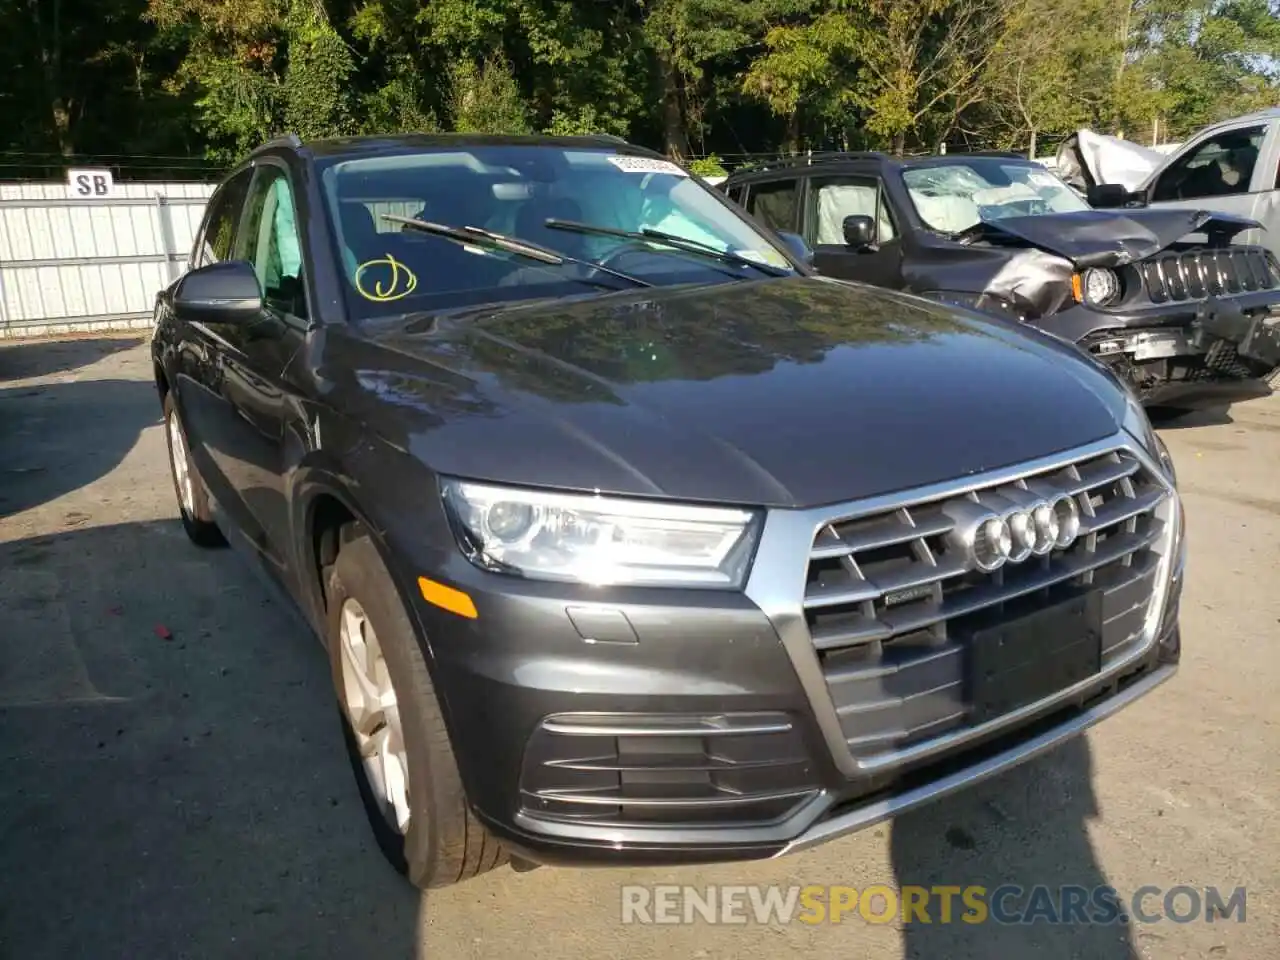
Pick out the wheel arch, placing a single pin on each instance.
(323, 507)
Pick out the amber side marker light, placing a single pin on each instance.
(447, 598)
(1077, 290)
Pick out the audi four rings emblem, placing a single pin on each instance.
(1011, 526)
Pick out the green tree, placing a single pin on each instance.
(807, 66)
(1031, 76)
(690, 39)
(484, 98)
(86, 77)
(216, 77)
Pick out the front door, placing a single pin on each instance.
(199, 366)
(832, 198)
(254, 363)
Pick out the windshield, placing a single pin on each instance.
(513, 191)
(952, 197)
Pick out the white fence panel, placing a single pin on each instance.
(69, 263)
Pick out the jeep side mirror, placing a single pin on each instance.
(859, 231)
(1106, 195)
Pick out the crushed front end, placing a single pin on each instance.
(1186, 322)
(1187, 327)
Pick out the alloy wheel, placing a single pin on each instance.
(369, 701)
(181, 465)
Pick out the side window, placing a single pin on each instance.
(216, 241)
(269, 240)
(832, 199)
(774, 204)
(1221, 166)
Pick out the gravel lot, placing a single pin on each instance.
(172, 782)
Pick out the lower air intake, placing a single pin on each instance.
(739, 769)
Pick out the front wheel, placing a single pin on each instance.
(396, 736)
(193, 499)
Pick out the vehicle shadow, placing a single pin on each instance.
(24, 359)
(1025, 828)
(1163, 418)
(173, 782)
(58, 437)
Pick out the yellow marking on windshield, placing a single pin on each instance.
(401, 283)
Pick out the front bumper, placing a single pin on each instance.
(838, 809)
(713, 705)
(1189, 354)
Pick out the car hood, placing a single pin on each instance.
(1112, 238)
(1086, 158)
(783, 392)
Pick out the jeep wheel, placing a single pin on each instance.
(396, 737)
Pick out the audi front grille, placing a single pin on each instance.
(893, 602)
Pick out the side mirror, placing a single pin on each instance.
(1107, 195)
(859, 231)
(226, 292)
(799, 249)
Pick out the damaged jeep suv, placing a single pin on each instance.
(629, 539)
(1161, 296)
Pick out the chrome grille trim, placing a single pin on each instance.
(889, 625)
(777, 585)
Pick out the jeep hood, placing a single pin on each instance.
(1112, 238)
(781, 392)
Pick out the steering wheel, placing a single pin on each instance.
(620, 253)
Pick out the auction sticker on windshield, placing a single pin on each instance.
(647, 165)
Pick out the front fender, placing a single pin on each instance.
(390, 493)
(403, 516)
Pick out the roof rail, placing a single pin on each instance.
(1009, 154)
(284, 140)
(809, 159)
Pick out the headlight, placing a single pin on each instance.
(1099, 287)
(600, 540)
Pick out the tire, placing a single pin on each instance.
(193, 507)
(443, 843)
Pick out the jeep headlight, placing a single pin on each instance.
(600, 540)
(1098, 287)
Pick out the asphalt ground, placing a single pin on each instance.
(173, 784)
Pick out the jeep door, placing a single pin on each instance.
(829, 199)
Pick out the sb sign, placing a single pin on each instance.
(85, 184)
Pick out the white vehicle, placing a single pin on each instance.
(1230, 167)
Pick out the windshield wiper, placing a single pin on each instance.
(521, 248)
(669, 239)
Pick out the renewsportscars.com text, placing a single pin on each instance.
(971, 904)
